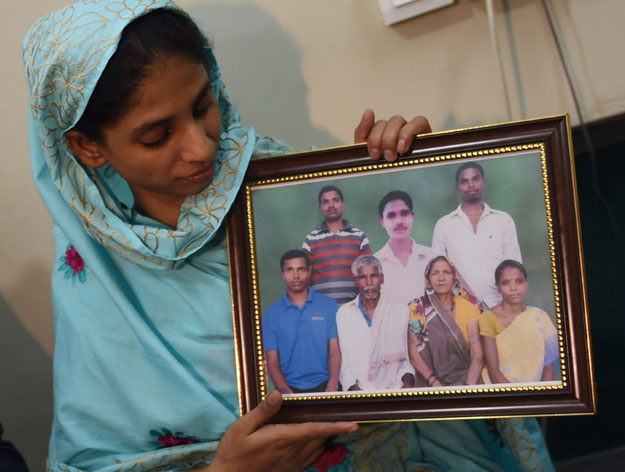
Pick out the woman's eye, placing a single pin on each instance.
(202, 110)
(159, 141)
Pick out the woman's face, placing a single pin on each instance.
(165, 145)
(441, 277)
(512, 285)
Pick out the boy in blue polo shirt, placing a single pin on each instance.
(299, 332)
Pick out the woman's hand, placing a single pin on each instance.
(389, 137)
(251, 445)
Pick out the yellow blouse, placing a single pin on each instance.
(489, 324)
(465, 313)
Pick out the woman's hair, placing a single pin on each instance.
(144, 42)
(428, 268)
(509, 263)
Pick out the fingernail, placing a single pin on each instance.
(353, 429)
(401, 145)
(273, 397)
(375, 153)
(389, 155)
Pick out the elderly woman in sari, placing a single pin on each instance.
(520, 342)
(444, 342)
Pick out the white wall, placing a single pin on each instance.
(304, 71)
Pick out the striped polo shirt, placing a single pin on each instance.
(332, 255)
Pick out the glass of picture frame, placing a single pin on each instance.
(528, 174)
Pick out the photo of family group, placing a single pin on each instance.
(423, 277)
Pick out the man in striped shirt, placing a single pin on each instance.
(333, 247)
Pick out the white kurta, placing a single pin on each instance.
(373, 357)
(404, 283)
(476, 254)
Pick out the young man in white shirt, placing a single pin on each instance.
(476, 237)
(403, 259)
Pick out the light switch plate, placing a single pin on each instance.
(394, 11)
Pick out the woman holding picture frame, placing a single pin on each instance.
(138, 190)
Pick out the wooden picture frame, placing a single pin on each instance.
(529, 170)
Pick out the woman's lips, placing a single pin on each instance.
(201, 175)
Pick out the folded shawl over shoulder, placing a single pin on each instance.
(144, 372)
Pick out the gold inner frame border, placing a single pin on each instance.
(262, 382)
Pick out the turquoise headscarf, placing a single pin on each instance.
(64, 55)
(144, 371)
(144, 354)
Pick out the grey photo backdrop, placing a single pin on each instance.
(283, 214)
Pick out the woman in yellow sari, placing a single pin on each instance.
(520, 343)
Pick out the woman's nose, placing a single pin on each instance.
(196, 144)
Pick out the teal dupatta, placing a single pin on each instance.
(144, 372)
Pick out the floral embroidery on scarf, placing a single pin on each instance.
(73, 265)
(336, 458)
(166, 438)
(494, 431)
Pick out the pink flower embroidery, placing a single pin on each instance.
(166, 438)
(335, 455)
(73, 259)
(73, 265)
(169, 440)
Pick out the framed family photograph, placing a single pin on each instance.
(446, 284)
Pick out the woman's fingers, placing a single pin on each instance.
(387, 138)
(312, 452)
(252, 421)
(317, 431)
(251, 445)
(255, 421)
(384, 138)
(364, 127)
(418, 125)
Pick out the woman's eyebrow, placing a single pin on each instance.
(150, 125)
(203, 92)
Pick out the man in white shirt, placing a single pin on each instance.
(372, 331)
(403, 259)
(476, 237)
